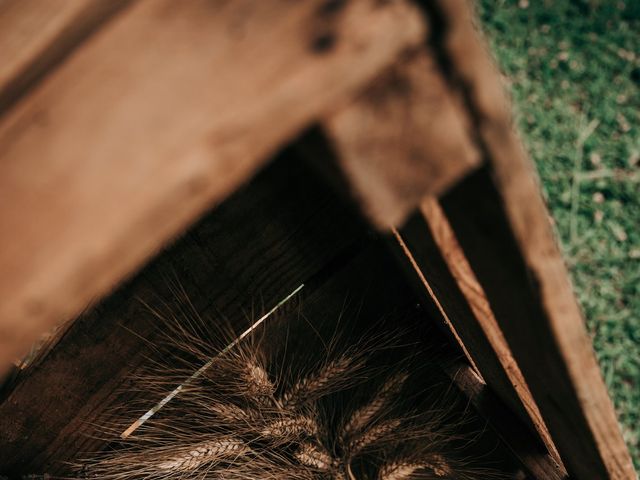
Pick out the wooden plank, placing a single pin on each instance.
(483, 316)
(536, 333)
(281, 230)
(501, 222)
(37, 35)
(158, 116)
(427, 257)
(514, 434)
(404, 137)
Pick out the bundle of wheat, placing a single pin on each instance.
(278, 407)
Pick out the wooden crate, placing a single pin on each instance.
(129, 133)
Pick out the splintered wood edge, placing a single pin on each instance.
(517, 185)
(93, 186)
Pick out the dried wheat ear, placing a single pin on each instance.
(273, 413)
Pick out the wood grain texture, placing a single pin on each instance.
(159, 115)
(428, 267)
(35, 35)
(475, 297)
(501, 222)
(281, 230)
(404, 137)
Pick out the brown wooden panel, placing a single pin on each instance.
(403, 137)
(475, 297)
(35, 35)
(543, 338)
(429, 269)
(154, 119)
(281, 230)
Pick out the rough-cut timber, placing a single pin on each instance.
(160, 114)
(35, 35)
(501, 222)
(283, 229)
(483, 317)
(403, 137)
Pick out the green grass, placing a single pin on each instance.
(574, 71)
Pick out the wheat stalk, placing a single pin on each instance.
(372, 435)
(363, 416)
(315, 457)
(232, 422)
(403, 470)
(312, 386)
(291, 428)
(438, 465)
(229, 412)
(207, 452)
(399, 471)
(257, 379)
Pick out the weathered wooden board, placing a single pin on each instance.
(283, 229)
(516, 296)
(476, 299)
(160, 114)
(36, 35)
(429, 272)
(429, 255)
(502, 224)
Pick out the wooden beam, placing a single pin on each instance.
(501, 222)
(282, 230)
(37, 35)
(405, 136)
(153, 120)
